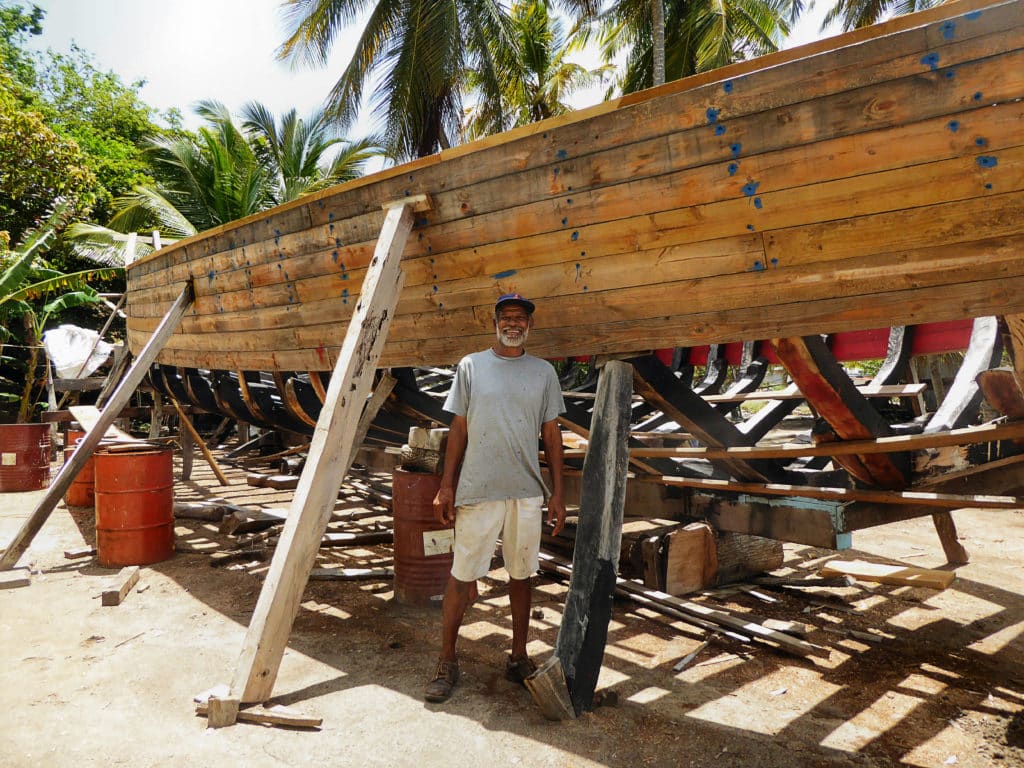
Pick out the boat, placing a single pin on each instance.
(866, 181)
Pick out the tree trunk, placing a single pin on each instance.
(32, 342)
(658, 40)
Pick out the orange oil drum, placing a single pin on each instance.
(24, 457)
(423, 546)
(134, 506)
(82, 491)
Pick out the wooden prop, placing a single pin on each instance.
(94, 434)
(186, 422)
(834, 397)
(588, 605)
(999, 386)
(960, 407)
(330, 455)
(882, 573)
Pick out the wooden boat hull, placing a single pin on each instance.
(871, 180)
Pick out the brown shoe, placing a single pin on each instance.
(445, 677)
(517, 670)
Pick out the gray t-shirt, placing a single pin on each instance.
(505, 401)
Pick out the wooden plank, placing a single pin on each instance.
(276, 714)
(15, 578)
(942, 500)
(89, 415)
(692, 560)
(588, 605)
(985, 433)
(118, 400)
(119, 587)
(897, 575)
(329, 459)
(829, 390)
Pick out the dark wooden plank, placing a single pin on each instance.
(715, 371)
(963, 399)
(588, 606)
(847, 412)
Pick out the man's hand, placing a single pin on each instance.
(444, 506)
(556, 513)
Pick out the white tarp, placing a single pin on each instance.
(69, 349)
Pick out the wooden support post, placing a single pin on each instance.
(588, 606)
(330, 456)
(118, 400)
(1015, 327)
(186, 423)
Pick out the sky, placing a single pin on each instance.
(188, 50)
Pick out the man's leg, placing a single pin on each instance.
(520, 596)
(457, 597)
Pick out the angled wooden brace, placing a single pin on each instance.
(330, 456)
(118, 400)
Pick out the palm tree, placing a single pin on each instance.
(699, 35)
(864, 13)
(295, 150)
(223, 173)
(421, 51)
(546, 77)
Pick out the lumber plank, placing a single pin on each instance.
(15, 578)
(276, 714)
(882, 573)
(119, 587)
(329, 459)
(941, 500)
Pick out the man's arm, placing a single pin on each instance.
(551, 434)
(444, 501)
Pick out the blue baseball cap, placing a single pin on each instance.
(514, 298)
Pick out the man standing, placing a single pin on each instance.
(502, 399)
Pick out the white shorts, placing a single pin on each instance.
(477, 528)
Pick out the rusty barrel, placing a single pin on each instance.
(134, 506)
(24, 457)
(81, 492)
(423, 546)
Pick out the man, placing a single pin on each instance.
(502, 399)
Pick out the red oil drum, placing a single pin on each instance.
(423, 546)
(82, 491)
(24, 457)
(134, 506)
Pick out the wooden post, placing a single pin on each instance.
(588, 606)
(186, 423)
(118, 400)
(330, 456)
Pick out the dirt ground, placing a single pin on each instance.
(85, 685)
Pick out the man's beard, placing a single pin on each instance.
(513, 341)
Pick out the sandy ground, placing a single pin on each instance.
(85, 685)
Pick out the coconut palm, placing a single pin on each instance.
(419, 51)
(546, 77)
(699, 35)
(223, 173)
(864, 13)
(295, 149)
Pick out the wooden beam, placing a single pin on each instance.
(330, 457)
(834, 397)
(588, 605)
(883, 573)
(119, 587)
(186, 422)
(1015, 328)
(985, 433)
(942, 500)
(118, 400)
(961, 404)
